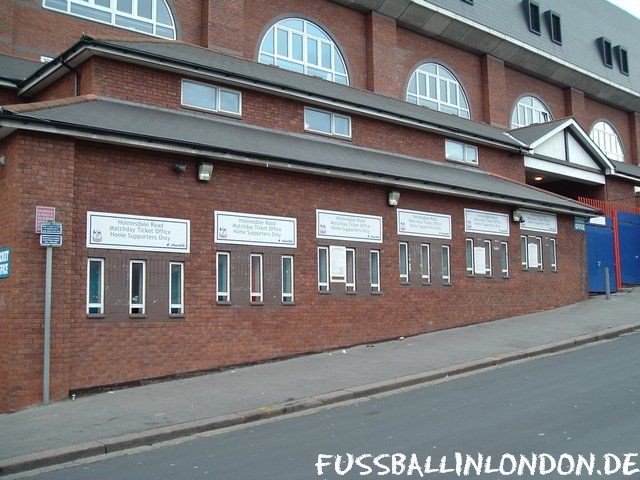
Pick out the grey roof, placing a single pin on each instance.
(628, 169)
(17, 69)
(484, 30)
(531, 133)
(200, 131)
(207, 60)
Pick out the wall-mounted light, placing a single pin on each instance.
(518, 216)
(205, 171)
(537, 178)
(2, 160)
(394, 197)
(636, 191)
(180, 167)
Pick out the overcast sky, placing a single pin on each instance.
(631, 6)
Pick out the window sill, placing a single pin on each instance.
(471, 275)
(506, 277)
(235, 116)
(96, 316)
(324, 292)
(223, 303)
(288, 304)
(137, 315)
(446, 284)
(426, 283)
(176, 315)
(256, 304)
(329, 135)
(376, 292)
(351, 292)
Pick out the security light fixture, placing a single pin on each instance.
(2, 160)
(537, 178)
(180, 167)
(636, 191)
(394, 196)
(205, 171)
(518, 216)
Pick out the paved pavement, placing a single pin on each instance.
(117, 420)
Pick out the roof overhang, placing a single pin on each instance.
(87, 47)
(447, 26)
(10, 122)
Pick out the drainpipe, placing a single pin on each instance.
(76, 81)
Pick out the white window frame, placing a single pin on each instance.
(286, 297)
(504, 252)
(217, 90)
(470, 260)
(331, 73)
(375, 286)
(351, 286)
(538, 242)
(180, 305)
(219, 293)
(256, 296)
(425, 278)
(487, 258)
(466, 156)
(461, 106)
(100, 305)
(607, 139)
(446, 278)
(141, 306)
(113, 12)
(554, 254)
(404, 277)
(332, 122)
(324, 286)
(524, 252)
(529, 110)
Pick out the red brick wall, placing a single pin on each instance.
(621, 191)
(494, 108)
(8, 97)
(595, 111)
(519, 84)
(97, 352)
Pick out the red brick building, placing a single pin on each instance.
(218, 210)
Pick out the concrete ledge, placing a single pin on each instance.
(170, 432)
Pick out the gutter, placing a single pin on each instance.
(140, 141)
(143, 58)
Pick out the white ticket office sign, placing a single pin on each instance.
(248, 229)
(423, 224)
(489, 223)
(133, 232)
(348, 226)
(539, 222)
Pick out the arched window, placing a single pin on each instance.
(529, 110)
(147, 16)
(433, 86)
(299, 45)
(607, 139)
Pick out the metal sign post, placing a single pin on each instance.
(51, 237)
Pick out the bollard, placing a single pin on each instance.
(607, 283)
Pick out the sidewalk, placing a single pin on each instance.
(121, 419)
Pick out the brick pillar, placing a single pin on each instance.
(574, 106)
(634, 130)
(6, 26)
(494, 110)
(223, 26)
(382, 71)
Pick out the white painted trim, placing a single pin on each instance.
(566, 171)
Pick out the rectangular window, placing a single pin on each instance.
(534, 16)
(460, 152)
(446, 264)
(606, 51)
(351, 270)
(323, 269)
(213, 99)
(425, 262)
(374, 270)
(470, 262)
(95, 286)
(623, 59)
(524, 251)
(255, 274)
(176, 288)
(534, 252)
(555, 27)
(504, 258)
(404, 262)
(487, 258)
(319, 121)
(137, 287)
(222, 277)
(287, 279)
(554, 255)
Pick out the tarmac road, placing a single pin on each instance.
(580, 402)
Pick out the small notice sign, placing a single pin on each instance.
(51, 228)
(348, 226)
(50, 240)
(250, 229)
(539, 221)
(338, 263)
(490, 223)
(43, 215)
(5, 262)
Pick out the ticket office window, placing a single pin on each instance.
(254, 277)
(487, 257)
(538, 253)
(350, 269)
(424, 262)
(124, 285)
